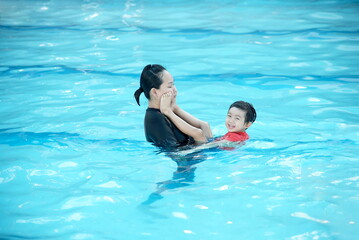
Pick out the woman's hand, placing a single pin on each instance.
(166, 103)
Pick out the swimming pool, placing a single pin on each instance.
(74, 162)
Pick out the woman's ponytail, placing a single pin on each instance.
(150, 78)
(137, 95)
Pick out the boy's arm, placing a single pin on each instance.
(185, 127)
(195, 122)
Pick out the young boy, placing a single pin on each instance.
(239, 118)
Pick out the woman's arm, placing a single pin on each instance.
(195, 122)
(196, 132)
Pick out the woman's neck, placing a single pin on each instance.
(154, 104)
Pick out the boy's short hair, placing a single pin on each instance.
(251, 114)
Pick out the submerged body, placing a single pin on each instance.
(229, 141)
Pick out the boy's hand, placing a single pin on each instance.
(165, 105)
(173, 101)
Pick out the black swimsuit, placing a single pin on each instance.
(162, 132)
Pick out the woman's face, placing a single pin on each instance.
(167, 85)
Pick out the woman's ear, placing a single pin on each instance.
(154, 93)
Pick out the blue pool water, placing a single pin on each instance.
(74, 162)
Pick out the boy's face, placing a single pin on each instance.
(235, 120)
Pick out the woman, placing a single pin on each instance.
(155, 82)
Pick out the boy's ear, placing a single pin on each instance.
(248, 124)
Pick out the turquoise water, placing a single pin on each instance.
(74, 162)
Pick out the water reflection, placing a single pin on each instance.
(182, 177)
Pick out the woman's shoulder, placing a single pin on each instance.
(153, 114)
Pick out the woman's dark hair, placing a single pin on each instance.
(150, 78)
(251, 114)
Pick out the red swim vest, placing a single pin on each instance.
(235, 136)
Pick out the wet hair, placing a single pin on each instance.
(251, 114)
(151, 77)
